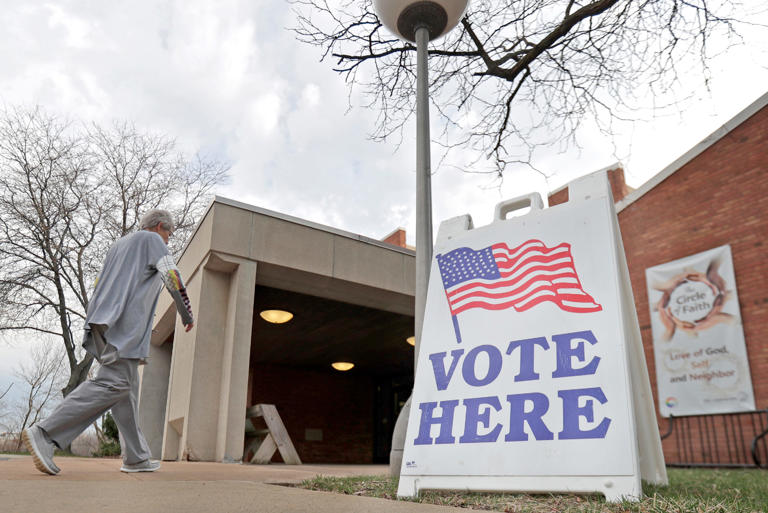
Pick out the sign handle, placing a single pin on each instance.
(532, 200)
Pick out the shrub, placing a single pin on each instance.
(110, 444)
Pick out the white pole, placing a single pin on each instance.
(423, 184)
(423, 229)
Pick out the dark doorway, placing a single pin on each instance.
(322, 408)
(391, 394)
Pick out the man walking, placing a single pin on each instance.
(118, 326)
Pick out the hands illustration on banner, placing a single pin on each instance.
(692, 301)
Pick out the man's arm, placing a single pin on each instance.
(172, 279)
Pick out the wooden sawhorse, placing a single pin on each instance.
(275, 437)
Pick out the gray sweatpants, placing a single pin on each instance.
(115, 386)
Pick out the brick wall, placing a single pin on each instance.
(556, 198)
(397, 238)
(340, 404)
(619, 187)
(720, 197)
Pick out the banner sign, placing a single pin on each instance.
(698, 340)
(523, 379)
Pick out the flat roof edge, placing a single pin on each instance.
(310, 224)
(694, 152)
(197, 228)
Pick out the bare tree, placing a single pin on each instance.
(517, 75)
(44, 188)
(6, 391)
(143, 171)
(3, 412)
(66, 194)
(41, 379)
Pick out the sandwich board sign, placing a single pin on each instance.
(531, 374)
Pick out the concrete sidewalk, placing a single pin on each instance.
(96, 485)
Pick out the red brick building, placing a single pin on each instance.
(714, 194)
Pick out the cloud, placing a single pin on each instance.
(227, 76)
(265, 113)
(311, 95)
(77, 31)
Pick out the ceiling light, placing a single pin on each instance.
(411, 340)
(276, 316)
(342, 366)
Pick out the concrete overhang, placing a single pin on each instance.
(294, 255)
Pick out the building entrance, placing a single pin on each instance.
(391, 394)
(332, 416)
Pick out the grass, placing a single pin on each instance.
(689, 491)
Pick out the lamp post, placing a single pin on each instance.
(419, 21)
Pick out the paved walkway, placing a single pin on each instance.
(96, 485)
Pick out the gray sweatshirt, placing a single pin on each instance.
(123, 304)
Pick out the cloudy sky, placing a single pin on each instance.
(225, 77)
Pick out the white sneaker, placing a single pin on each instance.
(40, 449)
(142, 466)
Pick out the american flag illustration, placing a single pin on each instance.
(499, 277)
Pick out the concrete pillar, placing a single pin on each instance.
(206, 420)
(233, 392)
(180, 382)
(154, 395)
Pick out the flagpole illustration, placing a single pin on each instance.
(446, 281)
(456, 328)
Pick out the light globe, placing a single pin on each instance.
(403, 17)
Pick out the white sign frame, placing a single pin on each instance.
(536, 465)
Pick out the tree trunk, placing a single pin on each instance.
(78, 374)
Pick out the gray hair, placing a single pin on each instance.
(154, 216)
